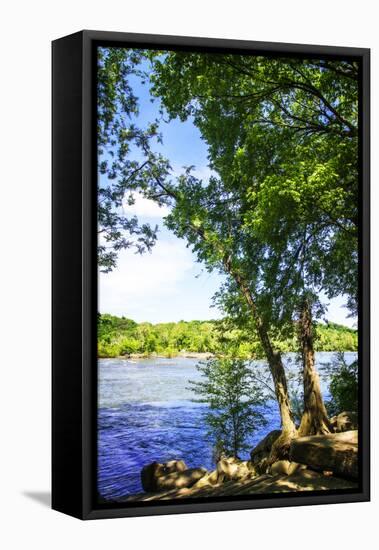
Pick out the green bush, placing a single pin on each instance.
(233, 397)
(344, 389)
(343, 386)
(128, 346)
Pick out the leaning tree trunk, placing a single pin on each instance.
(281, 446)
(280, 449)
(315, 418)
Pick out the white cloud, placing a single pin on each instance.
(147, 208)
(143, 207)
(140, 280)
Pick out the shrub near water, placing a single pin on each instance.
(343, 385)
(233, 398)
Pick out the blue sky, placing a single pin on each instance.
(168, 284)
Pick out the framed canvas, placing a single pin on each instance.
(210, 275)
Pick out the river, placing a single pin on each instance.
(146, 414)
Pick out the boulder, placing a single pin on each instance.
(345, 421)
(337, 453)
(280, 467)
(208, 480)
(285, 467)
(175, 466)
(296, 468)
(229, 469)
(149, 476)
(262, 467)
(251, 468)
(179, 480)
(152, 472)
(262, 450)
(226, 470)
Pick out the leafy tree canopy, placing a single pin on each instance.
(282, 137)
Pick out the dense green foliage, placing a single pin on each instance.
(282, 138)
(233, 398)
(120, 336)
(343, 385)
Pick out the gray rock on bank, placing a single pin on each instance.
(210, 479)
(233, 469)
(333, 456)
(171, 475)
(302, 480)
(180, 480)
(156, 477)
(285, 467)
(152, 472)
(336, 452)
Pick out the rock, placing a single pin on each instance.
(179, 480)
(280, 467)
(263, 466)
(175, 466)
(149, 476)
(152, 472)
(285, 467)
(306, 473)
(308, 480)
(295, 468)
(251, 468)
(226, 469)
(245, 469)
(208, 480)
(302, 480)
(337, 453)
(345, 421)
(229, 469)
(262, 450)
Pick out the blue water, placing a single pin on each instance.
(145, 414)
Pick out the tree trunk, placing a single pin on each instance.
(280, 448)
(315, 418)
(273, 357)
(279, 378)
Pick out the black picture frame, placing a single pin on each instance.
(74, 294)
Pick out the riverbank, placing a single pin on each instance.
(305, 480)
(316, 463)
(154, 355)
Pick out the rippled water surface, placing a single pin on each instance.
(145, 413)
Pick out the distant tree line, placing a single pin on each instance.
(119, 336)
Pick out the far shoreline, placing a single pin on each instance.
(183, 354)
(197, 355)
